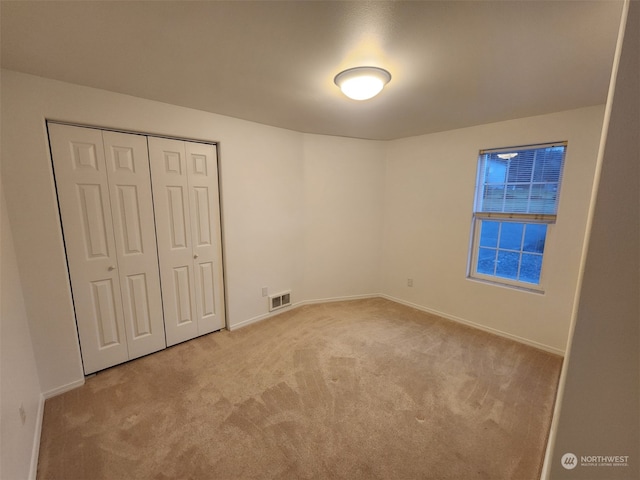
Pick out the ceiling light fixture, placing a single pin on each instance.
(362, 83)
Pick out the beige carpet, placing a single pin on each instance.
(366, 389)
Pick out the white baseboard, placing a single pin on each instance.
(37, 434)
(63, 388)
(338, 299)
(469, 323)
(35, 449)
(259, 318)
(264, 316)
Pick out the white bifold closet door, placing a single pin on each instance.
(105, 199)
(185, 190)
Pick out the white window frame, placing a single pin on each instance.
(525, 218)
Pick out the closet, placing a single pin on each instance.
(185, 192)
(145, 259)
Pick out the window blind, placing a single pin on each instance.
(522, 182)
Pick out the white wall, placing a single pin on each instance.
(430, 183)
(262, 207)
(19, 385)
(344, 182)
(599, 409)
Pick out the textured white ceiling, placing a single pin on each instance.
(454, 63)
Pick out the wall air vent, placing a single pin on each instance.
(279, 300)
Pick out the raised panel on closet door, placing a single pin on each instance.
(85, 208)
(127, 161)
(202, 172)
(173, 227)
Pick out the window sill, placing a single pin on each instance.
(511, 286)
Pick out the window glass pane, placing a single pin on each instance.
(530, 268)
(517, 198)
(511, 235)
(520, 168)
(520, 181)
(493, 198)
(486, 261)
(544, 198)
(548, 165)
(495, 170)
(489, 233)
(507, 265)
(518, 255)
(534, 237)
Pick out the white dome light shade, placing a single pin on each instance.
(507, 156)
(362, 83)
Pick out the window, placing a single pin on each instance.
(516, 200)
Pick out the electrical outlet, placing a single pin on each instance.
(409, 282)
(23, 414)
(265, 291)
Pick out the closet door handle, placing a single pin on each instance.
(111, 268)
(195, 255)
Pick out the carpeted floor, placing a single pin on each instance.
(365, 389)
